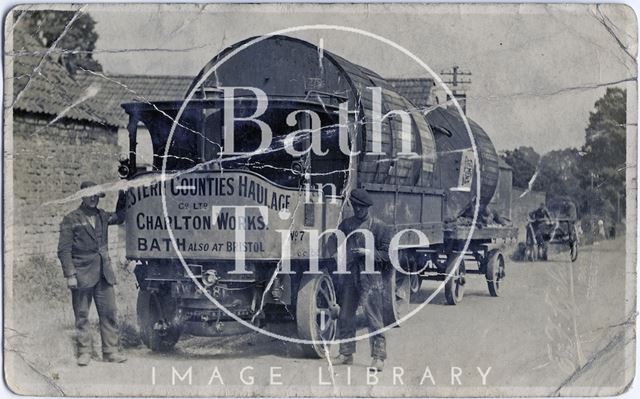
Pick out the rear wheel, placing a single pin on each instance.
(495, 271)
(455, 279)
(317, 313)
(160, 327)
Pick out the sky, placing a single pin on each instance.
(537, 70)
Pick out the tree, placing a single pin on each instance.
(77, 44)
(594, 177)
(604, 160)
(524, 161)
(559, 174)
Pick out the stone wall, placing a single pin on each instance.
(49, 162)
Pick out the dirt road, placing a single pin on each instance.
(557, 328)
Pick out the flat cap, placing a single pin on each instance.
(87, 184)
(360, 197)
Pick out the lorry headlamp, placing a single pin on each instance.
(123, 171)
(209, 278)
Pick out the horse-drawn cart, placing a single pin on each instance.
(561, 229)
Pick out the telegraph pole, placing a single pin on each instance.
(455, 82)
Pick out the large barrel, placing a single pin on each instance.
(455, 167)
(303, 75)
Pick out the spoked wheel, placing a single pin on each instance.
(160, 327)
(495, 271)
(396, 296)
(455, 279)
(574, 250)
(317, 313)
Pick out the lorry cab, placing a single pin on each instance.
(210, 219)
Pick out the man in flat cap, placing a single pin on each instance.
(360, 288)
(83, 253)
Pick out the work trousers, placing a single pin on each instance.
(105, 299)
(366, 290)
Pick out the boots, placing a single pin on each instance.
(84, 359)
(377, 364)
(343, 359)
(114, 357)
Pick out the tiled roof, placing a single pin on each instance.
(416, 90)
(117, 89)
(41, 85)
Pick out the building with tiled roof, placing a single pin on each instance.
(417, 90)
(59, 136)
(43, 86)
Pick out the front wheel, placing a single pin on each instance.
(455, 279)
(317, 313)
(160, 327)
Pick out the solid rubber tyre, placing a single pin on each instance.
(153, 309)
(495, 271)
(317, 313)
(454, 281)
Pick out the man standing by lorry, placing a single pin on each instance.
(362, 288)
(83, 253)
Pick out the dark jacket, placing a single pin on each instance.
(381, 233)
(83, 250)
(540, 214)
